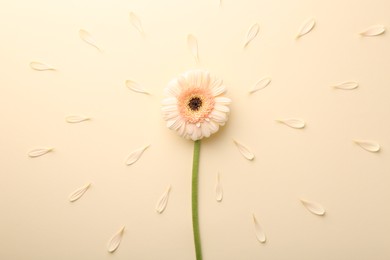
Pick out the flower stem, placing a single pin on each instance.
(195, 218)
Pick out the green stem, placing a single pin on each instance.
(195, 218)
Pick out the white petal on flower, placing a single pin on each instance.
(182, 82)
(198, 78)
(206, 132)
(170, 115)
(206, 79)
(212, 125)
(218, 116)
(173, 89)
(169, 101)
(175, 123)
(182, 129)
(222, 108)
(169, 108)
(223, 100)
(190, 78)
(190, 129)
(217, 87)
(197, 134)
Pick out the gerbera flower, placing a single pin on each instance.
(194, 106)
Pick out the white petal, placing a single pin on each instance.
(374, 31)
(213, 126)
(368, 145)
(163, 201)
(115, 241)
(262, 83)
(136, 22)
(349, 85)
(134, 86)
(135, 155)
(218, 116)
(217, 87)
(182, 130)
(306, 28)
(192, 43)
(222, 108)
(206, 132)
(169, 108)
(170, 115)
(39, 152)
(313, 207)
(87, 37)
(206, 79)
(79, 193)
(218, 190)
(76, 119)
(260, 235)
(244, 150)
(182, 82)
(197, 134)
(190, 128)
(223, 100)
(252, 33)
(169, 101)
(292, 122)
(173, 89)
(35, 65)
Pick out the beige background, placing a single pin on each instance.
(319, 163)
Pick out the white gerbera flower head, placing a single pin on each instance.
(194, 106)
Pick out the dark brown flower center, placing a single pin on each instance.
(195, 103)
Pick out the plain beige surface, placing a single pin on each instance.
(319, 163)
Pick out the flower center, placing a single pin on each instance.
(195, 103)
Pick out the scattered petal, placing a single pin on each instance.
(79, 192)
(87, 37)
(349, 85)
(374, 30)
(39, 152)
(368, 145)
(245, 151)
(132, 85)
(76, 119)
(136, 22)
(292, 122)
(264, 82)
(163, 201)
(115, 241)
(313, 207)
(218, 190)
(193, 46)
(252, 33)
(306, 28)
(135, 155)
(35, 65)
(260, 235)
